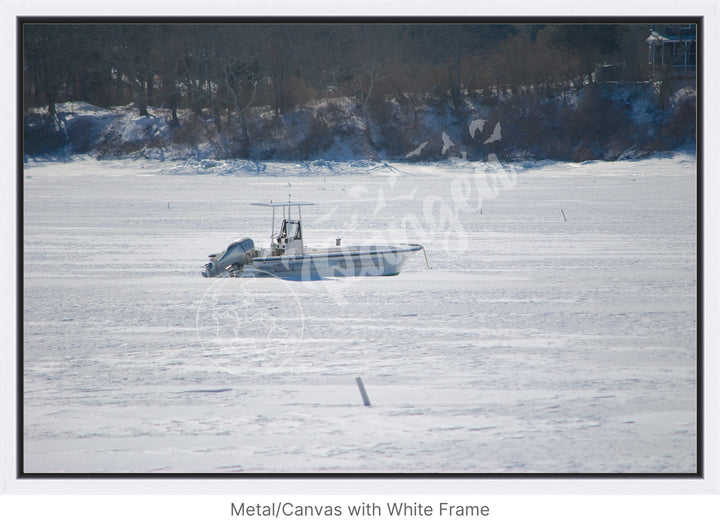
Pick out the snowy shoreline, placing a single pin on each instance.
(600, 121)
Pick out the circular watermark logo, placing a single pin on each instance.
(250, 325)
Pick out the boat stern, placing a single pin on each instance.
(232, 260)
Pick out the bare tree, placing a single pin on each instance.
(45, 56)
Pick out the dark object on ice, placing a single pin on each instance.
(366, 399)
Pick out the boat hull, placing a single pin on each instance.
(346, 262)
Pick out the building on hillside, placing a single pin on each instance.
(674, 48)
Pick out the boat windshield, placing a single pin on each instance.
(291, 230)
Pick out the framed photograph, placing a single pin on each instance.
(495, 270)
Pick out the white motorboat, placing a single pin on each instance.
(287, 256)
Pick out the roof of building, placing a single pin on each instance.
(684, 36)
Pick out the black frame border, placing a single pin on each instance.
(21, 21)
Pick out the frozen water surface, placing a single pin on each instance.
(555, 331)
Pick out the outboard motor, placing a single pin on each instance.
(238, 254)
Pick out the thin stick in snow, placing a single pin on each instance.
(563, 213)
(363, 393)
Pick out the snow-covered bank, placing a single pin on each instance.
(607, 121)
(555, 332)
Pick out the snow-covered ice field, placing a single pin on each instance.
(555, 331)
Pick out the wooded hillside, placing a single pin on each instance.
(288, 90)
(227, 68)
